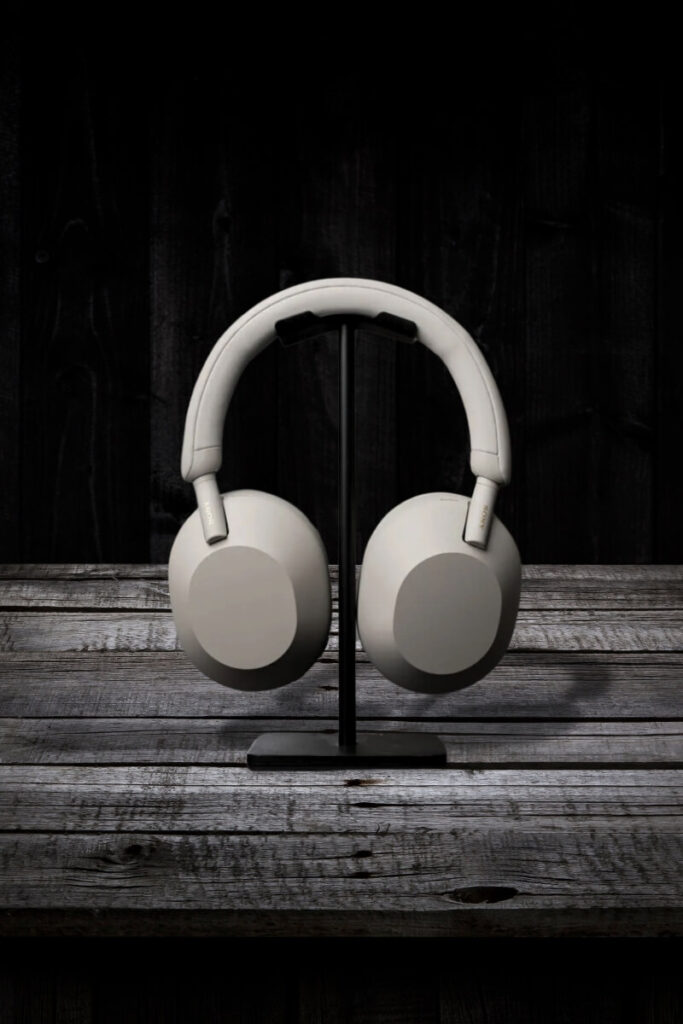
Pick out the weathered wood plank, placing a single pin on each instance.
(226, 740)
(63, 595)
(534, 868)
(523, 685)
(83, 570)
(580, 573)
(164, 798)
(146, 586)
(143, 630)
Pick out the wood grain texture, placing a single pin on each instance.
(337, 218)
(226, 740)
(554, 868)
(481, 922)
(668, 491)
(140, 630)
(308, 980)
(527, 984)
(538, 205)
(625, 177)
(532, 685)
(163, 799)
(560, 303)
(146, 586)
(212, 258)
(123, 768)
(631, 615)
(85, 365)
(10, 296)
(454, 201)
(387, 986)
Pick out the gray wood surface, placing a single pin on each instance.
(226, 740)
(564, 586)
(140, 630)
(563, 685)
(126, 805)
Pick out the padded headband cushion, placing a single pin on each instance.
(486, 420)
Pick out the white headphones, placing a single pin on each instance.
(248, 576)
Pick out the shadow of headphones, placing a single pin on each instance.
(440, 581)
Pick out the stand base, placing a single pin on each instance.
(322, 750)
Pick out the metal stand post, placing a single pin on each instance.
(347, 749)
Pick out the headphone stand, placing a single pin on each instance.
(348, 748)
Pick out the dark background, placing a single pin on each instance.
(328, 981)
(524, 177)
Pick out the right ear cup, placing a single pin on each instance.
(434, 612)
(252, 611)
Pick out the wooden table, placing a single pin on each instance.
(126, 806)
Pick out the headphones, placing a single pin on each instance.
(248, 575)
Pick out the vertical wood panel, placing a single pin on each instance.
(139, 992)
(627, 144)
(367, 981)
(84, 352)
(524, 202)
(668, 485)
(10, 320)
(74, 1004)
(589, 980)
(561, 471)
(458, 209)
(212, 254)
(394, 989)
(337, 219)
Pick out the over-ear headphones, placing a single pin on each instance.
(440, 581)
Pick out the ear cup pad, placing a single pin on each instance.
(251, 611)
(434, 613)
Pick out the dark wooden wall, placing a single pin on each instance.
(328, 981)
(153, 189)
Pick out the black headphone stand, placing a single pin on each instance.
(348, 748)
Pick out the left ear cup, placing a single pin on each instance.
(252, 611)
(434, 613)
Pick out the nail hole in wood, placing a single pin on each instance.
(483, 894)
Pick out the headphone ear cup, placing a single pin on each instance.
(252, 611)
(434, 613)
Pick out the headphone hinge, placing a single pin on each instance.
(210, 505)
(480, 513)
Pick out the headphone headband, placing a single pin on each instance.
(255, 330)
(489, 440)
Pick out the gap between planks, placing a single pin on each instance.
(226, 741)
